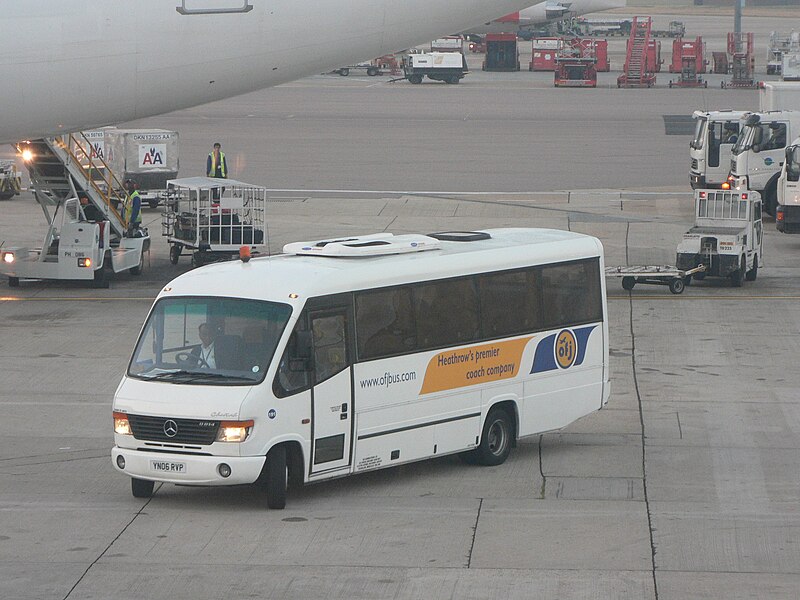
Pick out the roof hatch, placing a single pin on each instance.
(376, 244)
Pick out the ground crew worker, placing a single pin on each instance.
(133, 207)
(216, 166)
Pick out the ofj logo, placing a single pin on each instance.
(566, 349)
(562, 350)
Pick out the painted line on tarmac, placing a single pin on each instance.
(705, 297)
(472, 193)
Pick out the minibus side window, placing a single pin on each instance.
(295, 367)
(571, 293)
(510, 303)
(330, 346)
(385, 323)
(446, 313)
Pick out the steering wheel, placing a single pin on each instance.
(187, 359)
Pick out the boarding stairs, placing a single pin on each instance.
(65, 167)
(637, 71)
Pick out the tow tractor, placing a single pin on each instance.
(10, 179)
(88, 231)
(726, 238)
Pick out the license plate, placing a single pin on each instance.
(167, 466)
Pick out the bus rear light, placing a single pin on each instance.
(725, 185)
(8, 257)
(85, 262)
(121, 424)
(234, 431)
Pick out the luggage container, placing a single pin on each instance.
(543, 53)
(148, 156)
(502, 53)
(213, 218)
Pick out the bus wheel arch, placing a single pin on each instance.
(498, 435)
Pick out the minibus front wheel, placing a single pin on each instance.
(142, 488)
(274, 477)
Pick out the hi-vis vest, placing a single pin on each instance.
(213, 171)
(129, 207)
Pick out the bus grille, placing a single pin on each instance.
(189, 431)
(695, 164)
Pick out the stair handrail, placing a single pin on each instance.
(92, 166)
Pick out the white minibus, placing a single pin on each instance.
(347, 355)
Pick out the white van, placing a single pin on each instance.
(343, 356)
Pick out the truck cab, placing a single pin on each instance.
(727, 236)
(759, 153)
(710, 151)
(787, 217)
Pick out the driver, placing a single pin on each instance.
(205, 352)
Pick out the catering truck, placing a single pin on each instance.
(710, 150)
(357, 353)
(787, 218)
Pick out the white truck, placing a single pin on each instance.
(787, 217)
(10, 179)
(759, 153)
(779, 95)
(710, 151)
(449, 67)
(726, 238)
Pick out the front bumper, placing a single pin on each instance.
(722, 265)
(787, 218)
(200, 470)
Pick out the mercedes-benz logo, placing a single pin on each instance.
(170, 428)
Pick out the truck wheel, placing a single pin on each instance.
(13, 282)
(175, 253)
(770, 196)
(415, 78)
(454, 79)
(676, 285)
(372, 71)
(152, 204)
(496, 439)
(141, 488)
(344, 72)
(737, 277)
(628, 283)
(100, 278)
(753, 273)
(275, 478)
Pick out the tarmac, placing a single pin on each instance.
(685, 486)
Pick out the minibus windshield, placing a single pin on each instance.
(217, 341)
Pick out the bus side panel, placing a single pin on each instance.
(393, 448)
(556, 397)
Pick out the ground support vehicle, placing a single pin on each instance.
(371, 69)
(778, 95)
(787, 217)
(671, 276)
(716, 132)
(213, 218)
(449, 67)
(602, 27)
(682, 49)
(544, 52)
(758, 154)
(10, 179)
(688, 75)
(450, 43)
(357, 353)
(147, 156)
(676, 29)
(502, 52)
(726, 238)
(576, 65)
(641, 60)
(741, 49)
(88, 233)
(778, 45)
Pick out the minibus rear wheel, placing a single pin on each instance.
(275, 477)
(496, 439)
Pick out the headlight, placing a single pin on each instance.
(8, 257)
(121, 424)
(234, 431)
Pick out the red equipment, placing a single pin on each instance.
(389, 63)
(720, 62)
(544, 52)
(743, 61)
(688, 49)
(641, 59)
(575, 64)
(502, 53)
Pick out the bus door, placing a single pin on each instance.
(332, 394)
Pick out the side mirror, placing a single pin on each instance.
(756, 148)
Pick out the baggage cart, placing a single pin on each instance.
(677, 279)
(213, 218)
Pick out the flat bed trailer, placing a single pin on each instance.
(677, 279)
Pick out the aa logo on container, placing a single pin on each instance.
(152, 155)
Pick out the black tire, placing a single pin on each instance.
(174, 253)
(152, 204)
(676, 285)
(737, 277)
(198, 259)
(699, 276)
(344, 72)
(770, 196)
(628, 283)
(753, 273)
(142, 488)
(13, 282)
(454, 79)
(496, 440)
(415, 79)
(100, 278)
(7, 195)
(372, 71)
(275, 478)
